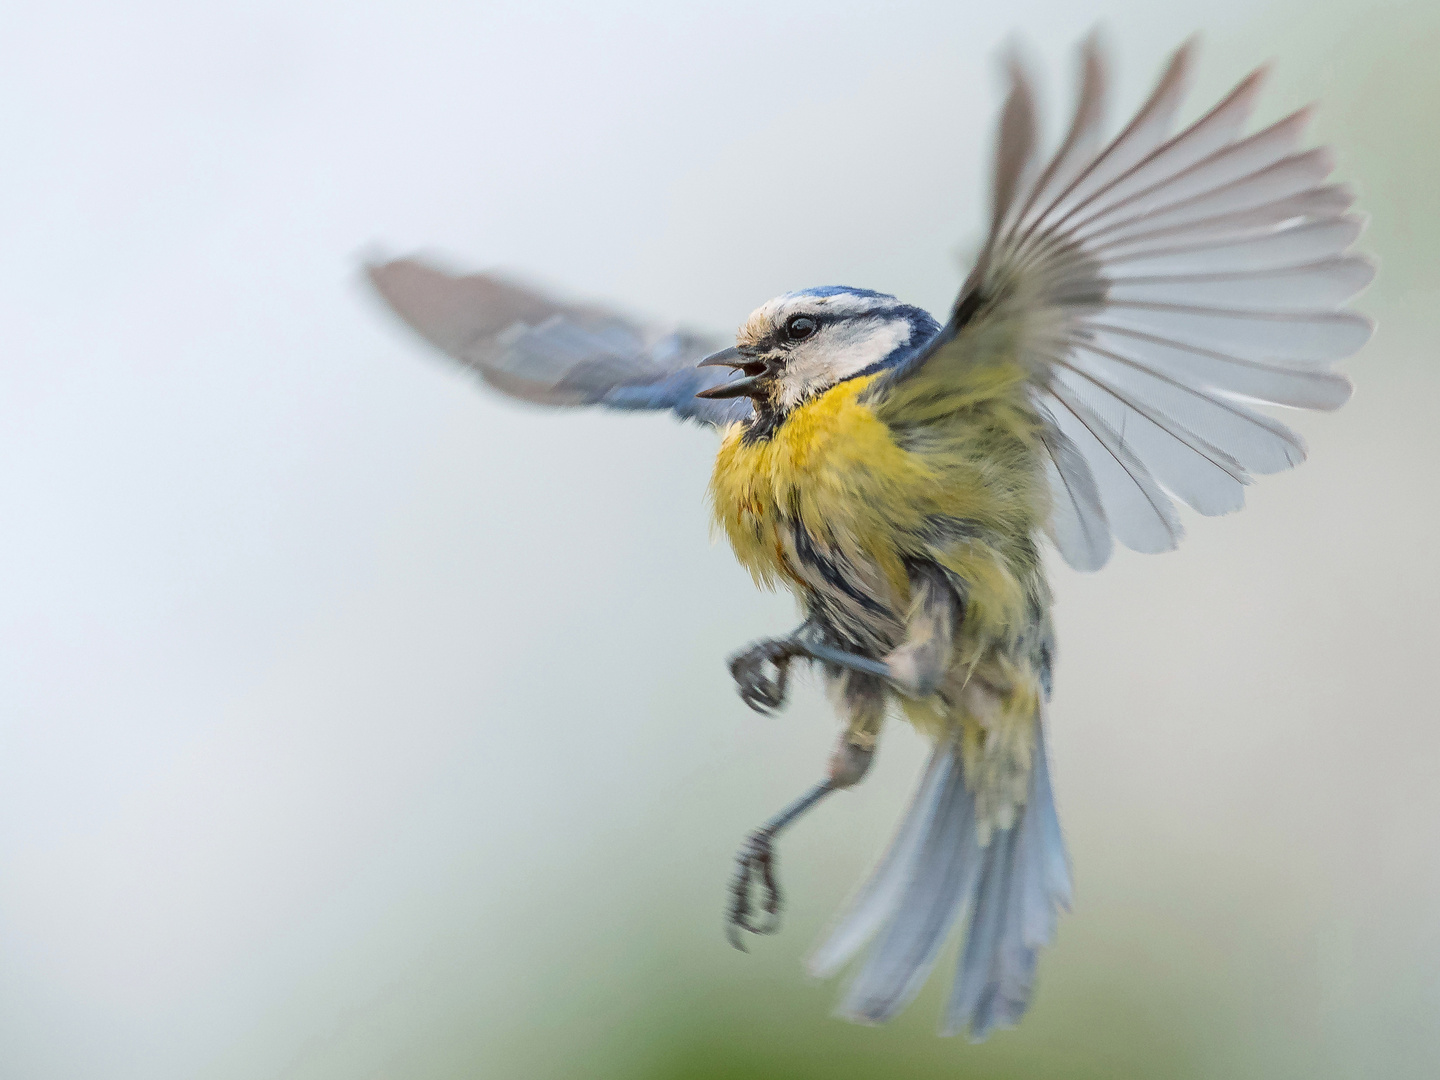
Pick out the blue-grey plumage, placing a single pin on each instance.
(1134, 298)
(538, 349)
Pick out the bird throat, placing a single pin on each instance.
(765, 419)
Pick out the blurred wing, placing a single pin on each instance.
(532, 347)
(1150, 289)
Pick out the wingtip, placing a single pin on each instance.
(1259, 75)
(380, 270)
(372, 254)
(374, 273)
(1014, 67)
(1345, 389)
(1180, 66)
(1371, 265)
(1251, 85)
(379, 267)
(1094, 51)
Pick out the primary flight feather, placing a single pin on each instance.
(1132, 303)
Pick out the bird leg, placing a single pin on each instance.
(861, 687)
(755, 862)
(915, 668)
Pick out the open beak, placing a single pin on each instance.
(734, 358)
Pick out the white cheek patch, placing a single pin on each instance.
(839, 351)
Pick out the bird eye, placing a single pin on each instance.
(800, 327)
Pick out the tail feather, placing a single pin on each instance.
(877, 900)
(908, 945)
(1027, 882)
(994, 979)
(934, 870)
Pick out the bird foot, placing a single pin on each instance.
(762, 672)
(754, 864)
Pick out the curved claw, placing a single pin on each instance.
(732, 935)
(756, 860)
(762, 691)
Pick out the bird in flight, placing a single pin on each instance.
(1133, 301)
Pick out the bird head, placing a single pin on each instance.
(802, 343)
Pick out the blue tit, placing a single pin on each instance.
(1133, 300)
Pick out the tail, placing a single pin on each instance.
(935, 869)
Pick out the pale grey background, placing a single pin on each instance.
(354, 723)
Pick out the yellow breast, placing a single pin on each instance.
(834, 469)
(822, 470)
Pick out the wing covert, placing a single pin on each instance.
(1152, 290)
(533, 347)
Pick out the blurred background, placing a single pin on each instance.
(357, 724)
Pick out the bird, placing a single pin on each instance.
(1134, 299)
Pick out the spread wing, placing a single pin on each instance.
(1152, 288)
(533, 347)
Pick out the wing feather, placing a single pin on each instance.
(1296, 246)
(533, 347)
(1325, 284)
(1141, 516)
(1150, 291)
(1293, 175)
(1221, 375)
(1078, 145)
(1140, 137)
(1077, 520)
(1016, 146)
(1159, 184)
